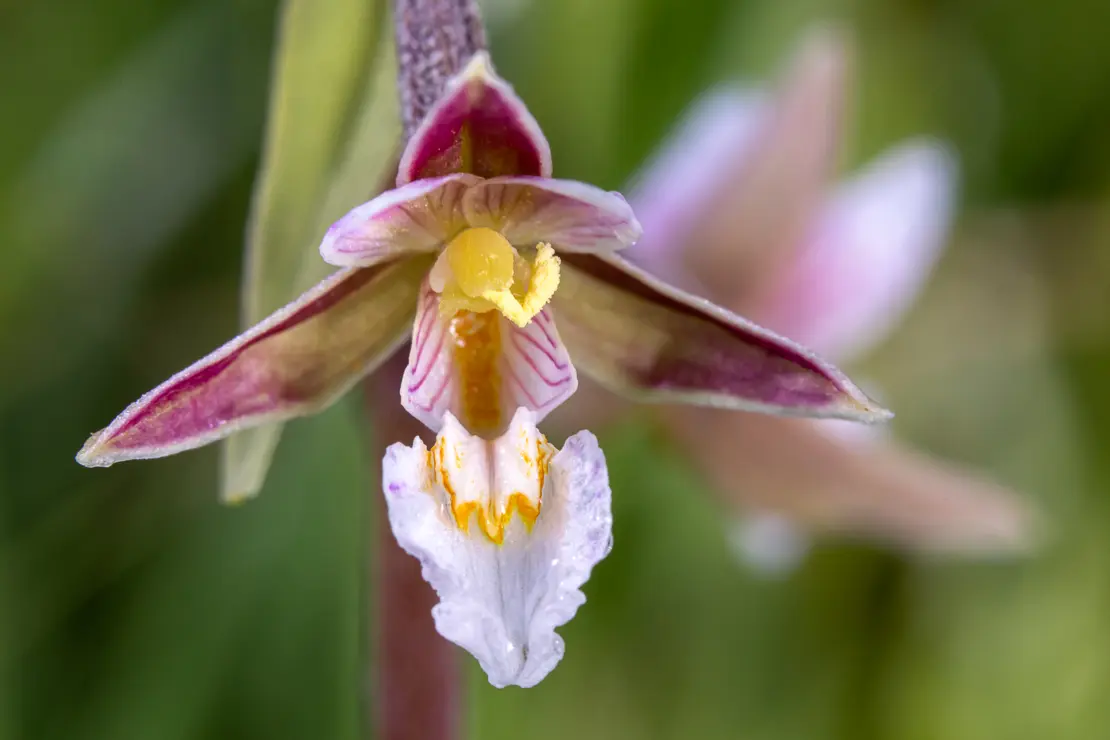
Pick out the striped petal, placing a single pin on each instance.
(479, 126)
(293, 363)
(653, 342)
(481, 367)
(571, 216)
(419, 217)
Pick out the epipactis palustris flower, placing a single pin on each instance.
(472, 256)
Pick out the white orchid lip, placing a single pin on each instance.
(507, 531)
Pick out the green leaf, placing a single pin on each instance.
(332, 138)
(119, 173)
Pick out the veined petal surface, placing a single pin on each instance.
(479, 126)
(419, 217)
(293, 363)
(571, 216)
(481, 367)
(652, 342)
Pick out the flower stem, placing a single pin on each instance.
(417, 677)
(435, 39)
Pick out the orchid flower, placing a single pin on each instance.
(760, 235)
(474, 193)
(472, 257)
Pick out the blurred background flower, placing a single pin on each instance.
(134, 606)
(738, 207)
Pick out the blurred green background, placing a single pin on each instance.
(133, 605)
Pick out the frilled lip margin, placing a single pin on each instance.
(502, 600)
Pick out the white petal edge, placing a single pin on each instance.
(502, 603)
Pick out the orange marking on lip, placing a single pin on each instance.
(491, 524)
(544, 452)
(493, 527)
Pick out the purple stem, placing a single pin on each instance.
(435, 39)
(417, 677)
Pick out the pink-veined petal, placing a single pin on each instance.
(870, 489)
(571, 216)
(479, 126)
(870, 255)
(481, 367)
(650, 341)
(418, 217)
(295, 362)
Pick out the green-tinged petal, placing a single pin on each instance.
(652, 342)
(332, 139)
(295, 362)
